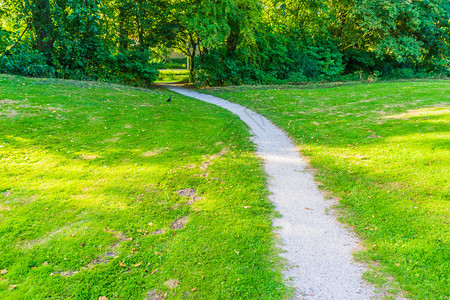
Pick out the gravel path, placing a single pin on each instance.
(318, 248)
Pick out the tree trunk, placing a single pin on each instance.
(123, 32)
(192, 53)
(43, 26)
(192, 60)
(233, 38)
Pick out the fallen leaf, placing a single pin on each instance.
(11, 287)
(154, 271)
(102, 298)
(3, 272)
(307, 208)
(138, 264)
(194, 289)
(73, 234)
(122, 264)
(247, 207)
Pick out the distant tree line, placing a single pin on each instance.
(228, 41)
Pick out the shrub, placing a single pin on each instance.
(215, 69)
(25, 62)
(132, 67)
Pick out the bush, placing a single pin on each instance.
(315, 60)
(358, 60)
(25, 62)
(132, 67)
(215, 69)
(5, 40)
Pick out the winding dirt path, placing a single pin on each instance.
(317, 247)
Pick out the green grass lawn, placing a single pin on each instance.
(108, 191)
(383, 151)
(173, 76)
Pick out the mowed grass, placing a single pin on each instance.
(108, 191)
(173, 75)
(383, 151)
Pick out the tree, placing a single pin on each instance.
(43, 25)
(405, 32)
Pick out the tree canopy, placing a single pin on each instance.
(228, 41)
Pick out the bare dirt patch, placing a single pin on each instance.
(154, 295)
(154, 152)
(65, 230)
(10, 113)
(89, 156)
(209, 161)
(9, 102)
(222, 152)
(113, 140)
(102, 259)
(4, 208)
(189, 193)
(172, 283)
(150, 153)
(158, 231)
(425, 112)
(179, 223)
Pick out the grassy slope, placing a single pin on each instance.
(383, 150)
(89, 171)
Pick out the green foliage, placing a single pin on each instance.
(177, 63)
(215, 68)
(318, 59)
(5, 40)
(279, 60)
(251, 41)
(78, 47)
(400, 33)
(78, 42)
(26, 62)
(132, 67)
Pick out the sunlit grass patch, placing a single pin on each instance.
(90, 201)
(173, 76)
(383, 150)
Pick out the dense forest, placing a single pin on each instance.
(228, 41)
